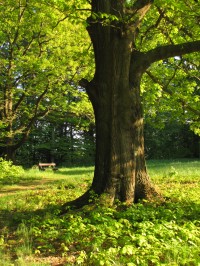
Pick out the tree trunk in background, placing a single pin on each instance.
(9, 152)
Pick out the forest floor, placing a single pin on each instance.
(146, 234)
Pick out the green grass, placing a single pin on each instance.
(32, 233)
(177, 178)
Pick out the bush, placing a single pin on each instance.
(9, 173)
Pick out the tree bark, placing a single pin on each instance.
(120, 169)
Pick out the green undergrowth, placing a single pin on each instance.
(165, 233)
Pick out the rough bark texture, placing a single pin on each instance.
(120, 170)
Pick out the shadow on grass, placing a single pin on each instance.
(12, 218)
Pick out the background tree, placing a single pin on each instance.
(170, 139)
(66, 138)
(128, 37)
(39, 61)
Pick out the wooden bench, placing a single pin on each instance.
(43, 166)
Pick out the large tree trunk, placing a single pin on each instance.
(120, 170)
(115, 160)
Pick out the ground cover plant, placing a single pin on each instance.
(148, 233)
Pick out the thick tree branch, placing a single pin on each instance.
(163, 52)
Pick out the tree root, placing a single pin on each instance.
(78, 203)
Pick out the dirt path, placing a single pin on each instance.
(24, 186)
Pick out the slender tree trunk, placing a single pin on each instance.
(9, 152)
(52, 150)
(143, 186)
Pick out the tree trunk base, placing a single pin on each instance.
(78, 203)
(104, 199)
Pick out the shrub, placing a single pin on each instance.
(9, 173)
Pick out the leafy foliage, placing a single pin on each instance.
(142, 234)
(40, 62)
(9, 173)
(172, 87)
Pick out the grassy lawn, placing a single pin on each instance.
(33, 234)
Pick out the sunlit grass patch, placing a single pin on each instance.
(178, 179)
(171, 168)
